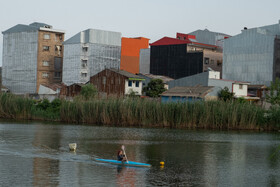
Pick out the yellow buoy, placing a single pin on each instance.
(161, 163)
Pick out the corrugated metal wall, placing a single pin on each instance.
(103, 56)
(103, 51)
(20, 61)
(249, 57)
(145, 55)
(71, 72)
(198, 79)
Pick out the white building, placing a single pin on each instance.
(88, 53)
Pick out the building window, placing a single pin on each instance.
(58, 37)
(219, 63)
(240, 86)
(45, 75)
(84, 63)
(84, 75)
(57, 63)
(129, 83)
(206, 60)
(104, 80)
(212, 61)
(46, 48)
(46, 63)
(137, 84)
(57, 74)
(84, 49)
(47, 36)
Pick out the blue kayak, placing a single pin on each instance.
(129, 163)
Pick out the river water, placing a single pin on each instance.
(36, 154)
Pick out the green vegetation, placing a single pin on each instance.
(154, 88)
(88, 92)
(274, 93)
(144, 112)
(225, 94)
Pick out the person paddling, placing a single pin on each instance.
(121, 156)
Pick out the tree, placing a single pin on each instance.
(225, 94)
(273, 97)
(88, 91)
(154, 88)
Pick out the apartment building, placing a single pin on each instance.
(88, 53)
(32, 55)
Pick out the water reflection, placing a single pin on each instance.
(37, 154)
(45, 170)
(126, 176)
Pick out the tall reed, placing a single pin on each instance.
(144, 112)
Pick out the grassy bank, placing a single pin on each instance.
(143, 112)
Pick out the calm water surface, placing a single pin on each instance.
(36, 154)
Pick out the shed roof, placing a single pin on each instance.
(125, 73)
(175, 41)
(36, 26)
(165, 79)
(191, 91)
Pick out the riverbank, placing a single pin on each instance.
(144, 113)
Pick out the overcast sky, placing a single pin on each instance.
(153, 19)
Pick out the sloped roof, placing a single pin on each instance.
(125, 73)
(175, 41)
(25, 28)
(190, 91)
(53, 86)
(165, 79)
(169, 41)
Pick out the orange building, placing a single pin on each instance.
(130, 53)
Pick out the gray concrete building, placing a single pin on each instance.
(253, 55)
(88, 53)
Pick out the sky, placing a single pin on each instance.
(152, 19)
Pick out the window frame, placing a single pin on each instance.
(45, 63)
(47, 38)
(46, 48)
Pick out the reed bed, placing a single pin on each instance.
(144, 113)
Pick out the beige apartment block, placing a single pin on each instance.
(50, 58)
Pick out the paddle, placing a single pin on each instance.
(124, 153)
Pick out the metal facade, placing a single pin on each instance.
(208, 37)
(103, 50)
(201, 79)
(198, 79)
(20, 61)
(145, 61)
(249, 56)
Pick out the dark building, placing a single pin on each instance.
(173, 60)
